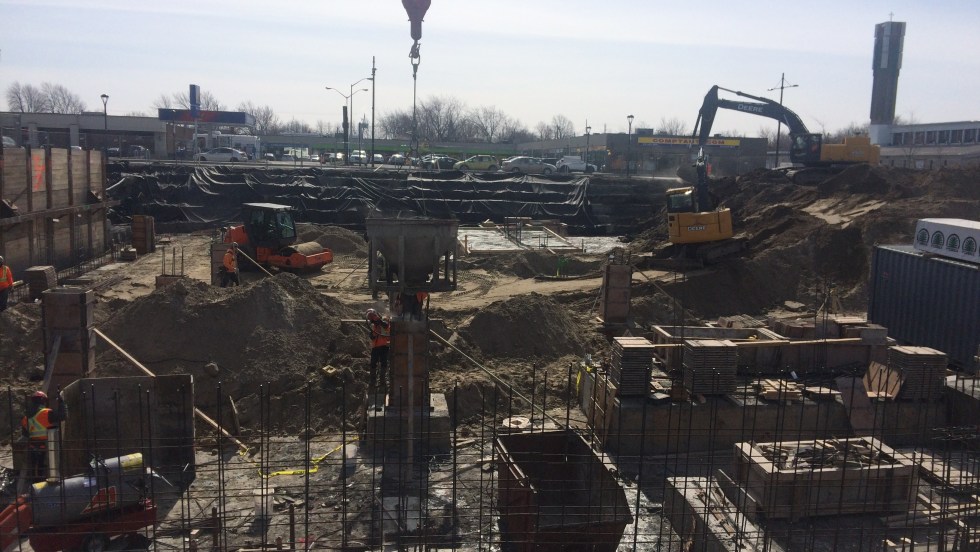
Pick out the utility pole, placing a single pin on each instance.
(374, 86)
(779, 124)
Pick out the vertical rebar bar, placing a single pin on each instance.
(307, 435)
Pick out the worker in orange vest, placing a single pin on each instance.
(6, 283)
(229, 267)
(35, 426)
(380, 342)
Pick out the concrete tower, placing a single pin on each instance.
(889, 42)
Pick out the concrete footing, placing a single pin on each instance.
(386, 427)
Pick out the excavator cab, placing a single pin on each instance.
(805, 149)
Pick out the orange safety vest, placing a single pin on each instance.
(37, 425)
(230, 262)
(6, 277)
(380, 335)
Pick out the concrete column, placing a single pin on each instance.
(73, 134)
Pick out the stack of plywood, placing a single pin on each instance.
(710, 366)
(632, 360)
(39, 279)
(923, 371)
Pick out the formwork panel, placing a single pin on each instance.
(96, 176)
(79, 178)
(39, 178)
(555, 494)
(15, 188)
(16, 246)
(60, 194)
(825, 477)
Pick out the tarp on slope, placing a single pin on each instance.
(214, 195)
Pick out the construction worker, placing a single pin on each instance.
(6, 284)
(35, 425)
(380, 341)
(229, 267)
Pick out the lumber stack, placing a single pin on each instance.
(710, 366)
(923, 371)
(632, 360)
(39, 279)
(779, 390)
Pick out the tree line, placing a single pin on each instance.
(443, 119)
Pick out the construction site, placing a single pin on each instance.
(780, 360)
(548, 393)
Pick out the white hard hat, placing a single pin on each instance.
(369, 312)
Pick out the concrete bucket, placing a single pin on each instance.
(413, 248)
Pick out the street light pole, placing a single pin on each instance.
(374, 83)
(105, 124)
(588, 131)
(351, 109)
(779, 123)
(629, 144)
(350, 114)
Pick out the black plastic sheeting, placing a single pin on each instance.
(213, 195)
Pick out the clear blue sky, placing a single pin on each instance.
(595, 60)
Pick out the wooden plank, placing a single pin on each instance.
(860, 410)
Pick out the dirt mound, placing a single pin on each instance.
(277, 332)
(527, 326)
(339, 240)
(529, 264)
(21, 342)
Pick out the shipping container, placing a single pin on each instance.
(928, 301)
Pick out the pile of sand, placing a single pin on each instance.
(531, 325)
(339, 240)
(277, 333)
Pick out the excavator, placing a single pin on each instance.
(268, 235)
(817, 160)
(703, 233)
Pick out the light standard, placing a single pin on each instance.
(352, 92)
(105, 124)
(588, 131)
(347, 102)
(779, 123)
(629, 145)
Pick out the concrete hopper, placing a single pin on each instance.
(411, 252)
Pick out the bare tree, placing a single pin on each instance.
(266, 120)
(62, 100)
(544, 131)
(515, 131)
(488, 121)
(397, 124)
(295, 126)
(136, 114)
(165, 101)
(27, 98)
(443, 119)
(564, 127)
(182, 100)
(672, 127)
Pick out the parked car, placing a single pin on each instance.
(550, 160)
(528, 165)
(9, 142)
(268, 157)
(227, 155)
(396, 159)
(314, 158)
(112, 152)
(574, 163)
(478, 163)
(287, 157)
(439, 162)
(379, 159)
(358, 157)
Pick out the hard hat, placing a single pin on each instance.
(1, 259)
(40, 396)
(369, 313)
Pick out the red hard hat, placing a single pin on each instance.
(40, 395)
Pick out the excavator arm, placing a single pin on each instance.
(805, 146)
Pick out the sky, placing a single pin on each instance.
(595, 61)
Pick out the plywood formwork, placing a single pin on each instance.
(706, 520)
(825, 477)
(51, 207)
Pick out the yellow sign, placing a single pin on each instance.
(675, 141)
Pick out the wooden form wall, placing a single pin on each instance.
(53, 208)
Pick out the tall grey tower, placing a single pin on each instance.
(889, 42)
